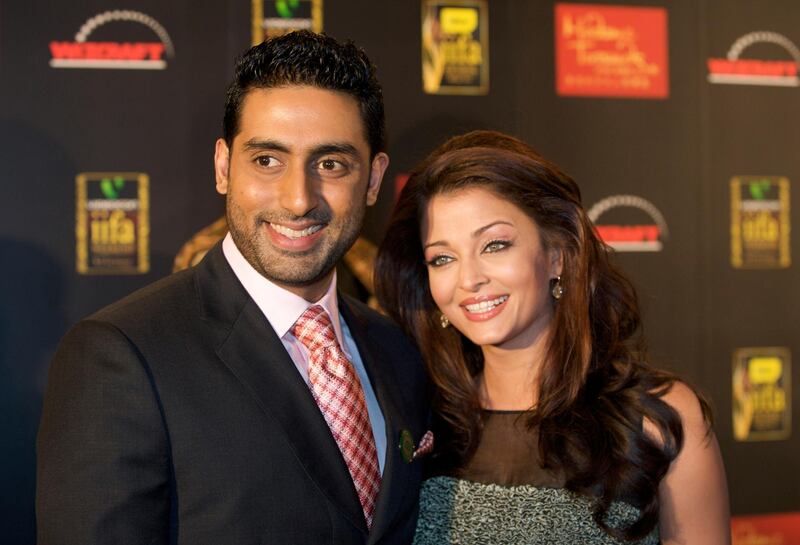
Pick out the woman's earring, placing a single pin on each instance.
(558, 289)
(444, 321)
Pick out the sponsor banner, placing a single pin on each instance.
(273, 18)
(760, 222)
(780, 69)
(762, 394)
(112, 224)
(455, 47)
(127, 52)
(771, 529)
(629, 223)
(611, 51)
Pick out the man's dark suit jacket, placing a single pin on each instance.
(177, 416)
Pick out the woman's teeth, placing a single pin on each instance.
(485, 306)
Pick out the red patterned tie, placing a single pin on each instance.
(338, 393)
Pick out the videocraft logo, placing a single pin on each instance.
(737, 71)
(83, 53)
(629, 233)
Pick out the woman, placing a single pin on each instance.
(550, 426)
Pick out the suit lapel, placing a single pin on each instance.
(396, 473)
(257, 358)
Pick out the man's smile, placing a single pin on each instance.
(293, 233)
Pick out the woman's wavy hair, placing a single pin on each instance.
(595, 389)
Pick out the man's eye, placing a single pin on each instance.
(331, 165)
(267, 161)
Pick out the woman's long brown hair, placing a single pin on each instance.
(595, 389)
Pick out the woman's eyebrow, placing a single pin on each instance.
(476, 233)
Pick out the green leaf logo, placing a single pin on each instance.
(758, 188)
(286, 7)
(112, 186)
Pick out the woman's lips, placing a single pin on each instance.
(479, 309)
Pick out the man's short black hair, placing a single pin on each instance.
(306, 58)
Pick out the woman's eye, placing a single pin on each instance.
(496, 246)
(439, 260)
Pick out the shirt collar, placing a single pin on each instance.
(281, 307)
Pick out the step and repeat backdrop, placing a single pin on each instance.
(679, 120)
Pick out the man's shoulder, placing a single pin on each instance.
(166, 297)
(146, 318)
(185, 295)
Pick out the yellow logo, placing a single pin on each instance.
(112, 224)
(760, 222)
(459, 20)
(455, 47)
(764, 370)
(761, 394)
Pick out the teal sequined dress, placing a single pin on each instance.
(504, 497)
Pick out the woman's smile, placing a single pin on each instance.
(479, 309)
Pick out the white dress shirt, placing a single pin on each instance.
(282, 308)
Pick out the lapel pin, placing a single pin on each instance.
(406, 446)
(407, 449)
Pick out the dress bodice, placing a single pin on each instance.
(503, 495)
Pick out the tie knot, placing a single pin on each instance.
(314, 328)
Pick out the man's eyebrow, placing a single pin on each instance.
(335, 147)
(476, 233)
(266, 145)
(254, 144)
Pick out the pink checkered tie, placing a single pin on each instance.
(338, 393)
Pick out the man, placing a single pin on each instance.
(244, 400)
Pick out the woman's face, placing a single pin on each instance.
(487, 268)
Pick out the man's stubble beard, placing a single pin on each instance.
(287, 267)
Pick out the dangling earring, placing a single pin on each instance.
(558, 289)
(444, 321)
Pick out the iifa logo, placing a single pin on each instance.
(83, 53)
(737, 71)
(760, 222)
(112, 224)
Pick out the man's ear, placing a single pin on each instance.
(379, 165)
(222, 164)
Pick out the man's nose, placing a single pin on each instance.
(298, 191)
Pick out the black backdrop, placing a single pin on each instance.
(678, 153)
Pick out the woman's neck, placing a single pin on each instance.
(509, 380)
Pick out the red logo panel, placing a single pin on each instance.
(611, 51)
(772, 529)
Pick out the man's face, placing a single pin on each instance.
(298, 178)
